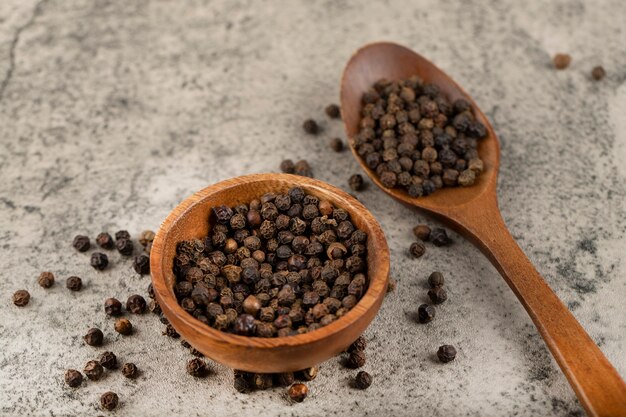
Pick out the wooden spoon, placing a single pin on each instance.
(474, 212)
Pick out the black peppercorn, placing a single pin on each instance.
(21, 298)
(388, 179)
(358, 345)
(81, 243)
(93, 370)
(439, 237)
(112, 307)
(223, 214)
(283, 321)
(435, 279)
(460, 105)
(336, 144)
(446, 353)
(245, 325)
(448, 158)
(286, 296)
(171, 332)
(123, 326)
(296, 194)
(303, 169)
(356, 359)
(425, 313)
(46, 279)
(428, 187)
(94, 337)
(356, 182)
(241, 383)
(561, 61)
(436, 179)
(108, 360)
(124, 246)
(450, 177)
(598, 73)
(263, 381)
(372, 160)
(109, 400)
(466, 178)
(74, 283)
(415, 190)
(73, 378)
(238, 221)
(105, 241)
(122, 234)
(422, 232)
(310, 126)
(136, 304)
(438, 295)
(460, 165)
(99, 261)
(417, 249)
(462, 122)
(141, 264)
(298, 392)
(333, 111)
(477, 130)
(129, 370)
(285, 379)
(363, 380)
(287, 166)
(203, 295)
(197, 368)
(349, 301)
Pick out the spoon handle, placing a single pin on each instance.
(597, 384)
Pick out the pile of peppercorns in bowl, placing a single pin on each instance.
(284, 264)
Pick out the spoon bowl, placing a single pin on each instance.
(473, 211)
(192, 219)
(394, 62)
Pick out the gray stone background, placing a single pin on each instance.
(111, 112)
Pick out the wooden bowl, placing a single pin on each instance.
(254, 354)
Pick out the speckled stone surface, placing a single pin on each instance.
(112, 112)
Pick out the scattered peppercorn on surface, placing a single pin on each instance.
(111, 113)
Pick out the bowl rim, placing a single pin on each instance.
(378, 263)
